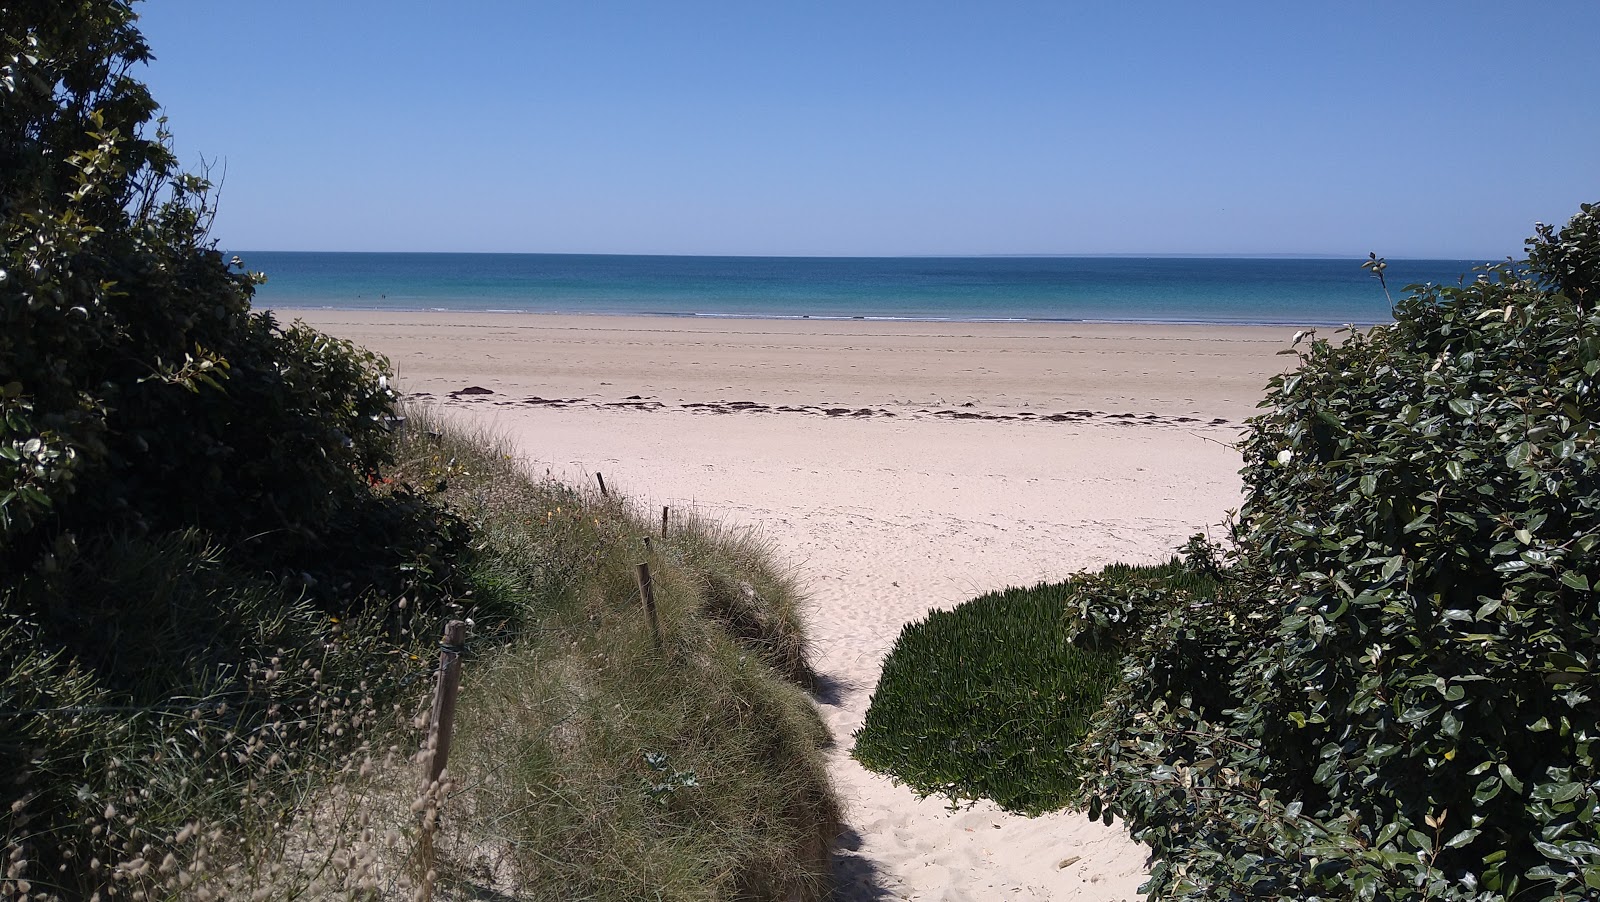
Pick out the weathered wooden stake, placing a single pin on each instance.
(649, 596)
(441, 729)
(663, 523)
(602, 480)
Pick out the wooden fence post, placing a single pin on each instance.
(663, 523)
(441, 730)
(602, 480)
(648, 594)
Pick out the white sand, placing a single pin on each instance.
(883, 517)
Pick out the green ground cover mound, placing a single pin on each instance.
(1396, 697)
(990, 699)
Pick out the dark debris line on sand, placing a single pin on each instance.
(475, 394)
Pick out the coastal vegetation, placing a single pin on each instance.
(991, 700)
(226, 554)
(1392, 692)
(592, 761)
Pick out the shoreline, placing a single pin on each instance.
(337, 308)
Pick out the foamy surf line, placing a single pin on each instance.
(823, 317)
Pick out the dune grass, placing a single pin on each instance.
(233, 740)
(592, 763)
(204, 735)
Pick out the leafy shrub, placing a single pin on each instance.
(990, 699)
(1568, 261)
(188, 490)
(1404, 701)
(138, 391)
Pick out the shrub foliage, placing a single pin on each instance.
(138, 390)
(186, 487)
(1396, 698)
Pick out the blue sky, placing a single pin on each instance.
(874, 128)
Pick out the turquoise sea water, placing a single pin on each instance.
(1318, 291)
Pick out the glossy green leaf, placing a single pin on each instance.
(1519, 455)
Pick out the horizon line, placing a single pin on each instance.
(1181, 255)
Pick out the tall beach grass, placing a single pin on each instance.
(595, 764)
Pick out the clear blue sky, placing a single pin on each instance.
(878, 128)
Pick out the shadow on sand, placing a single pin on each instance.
(828, 689)
(855, 877)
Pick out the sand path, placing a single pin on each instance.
(886, 517)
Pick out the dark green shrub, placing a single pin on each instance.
(989, 700)
(1409, 702)
(138, 390)
(1568, 261)
(187, 488)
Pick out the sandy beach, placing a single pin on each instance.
(898, 467)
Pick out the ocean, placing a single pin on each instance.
(1221, 290)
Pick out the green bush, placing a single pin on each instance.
(189, 493)
(138, 390)
(1404, 700)
(989, 700)
(1568, 261)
